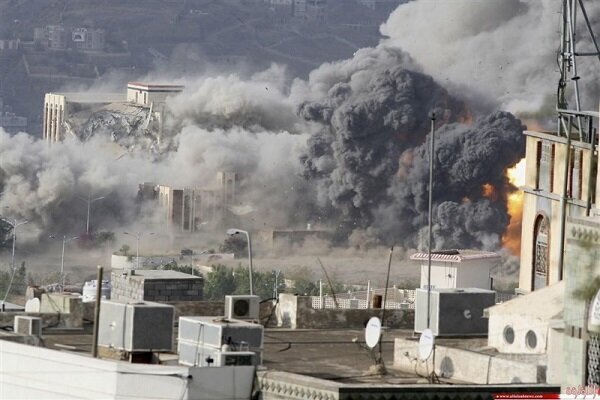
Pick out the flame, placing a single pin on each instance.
(516, 174)
(512, 237)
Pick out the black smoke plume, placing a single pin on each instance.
(364, 129)
(470, 186)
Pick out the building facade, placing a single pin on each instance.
(186, 209)
(145, 94)
(560, 174)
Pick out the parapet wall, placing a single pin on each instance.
(296, 312)
(469, 365)
(126, 287)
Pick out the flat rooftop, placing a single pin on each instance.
(455, 256)
(149, 275)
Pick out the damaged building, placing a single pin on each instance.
(136, 116)
(186, 209)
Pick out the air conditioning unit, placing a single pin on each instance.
(242, 307)
(31, 326)
(454, 312)
(194, 355)
(136, 326)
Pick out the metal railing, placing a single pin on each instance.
(398, 299)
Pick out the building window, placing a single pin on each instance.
(531, 339)
(538, 159)
(545, 179)
(540, 252)
(508, 334)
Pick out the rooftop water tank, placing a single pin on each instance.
(90, 287)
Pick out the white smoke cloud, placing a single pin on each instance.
(504, 50)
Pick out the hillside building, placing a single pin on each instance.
(59, 37)
(139, 110)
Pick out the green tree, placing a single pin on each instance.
(235, 244)
(304, 282)
(219, 282)
(263, 282)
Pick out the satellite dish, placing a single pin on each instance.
(373, 332)
(32, 305)
(594, 317)
(426, 343)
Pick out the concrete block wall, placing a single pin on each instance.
(172, 290)
(136, 288)
(296, 312)
(125, 288)
(65, 304)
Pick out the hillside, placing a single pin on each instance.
(178, 36)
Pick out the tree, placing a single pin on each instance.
(235, 244)
(219, 283)
(5, 235)
(124, 249)
(304, 282)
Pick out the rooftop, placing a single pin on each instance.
(147, 274)
(456, 256)
(545, 303)
(150, 86)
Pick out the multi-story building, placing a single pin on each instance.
(560, 175)
(66, 112)
(310, 9)
(63, 110)
(186, 209)
(59, 37)
(88, 39)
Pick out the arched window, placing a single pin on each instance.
(540, 252)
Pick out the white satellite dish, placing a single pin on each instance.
(594, 317)
(32, 305)
(373, 332)
(426, 343)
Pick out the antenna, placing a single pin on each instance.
(32, 305)
(426, 342)
(573, 124)
(373, 332)
(426, 350)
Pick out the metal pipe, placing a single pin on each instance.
(368, 294)
(431, 151)
(97, 312)
(387, 283)
(590, 31)
(250, 262)
(14, 224)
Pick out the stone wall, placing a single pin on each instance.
(296, 312)
(49, 320)
(136, 287)
(217, 309)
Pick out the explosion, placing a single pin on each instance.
(512, 237)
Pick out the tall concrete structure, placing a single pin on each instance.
(59, 108)
(145, 94)
(67, 112)
(187, 209)
(560, 171)
(561, 216)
